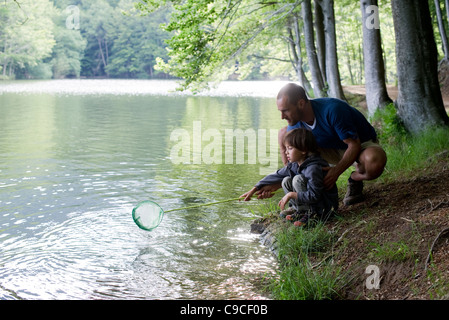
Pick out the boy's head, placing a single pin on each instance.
(303, 140)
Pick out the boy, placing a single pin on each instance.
(302, 180)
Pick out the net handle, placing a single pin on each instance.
(202, 205)
(209, 204)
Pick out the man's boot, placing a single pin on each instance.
(354, 194)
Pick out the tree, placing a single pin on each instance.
(332, 71)
(442, 29)
(68, 50)
(210, 36)
(136, 42)
(294, 39)
(26, 36)
(419, 101)
(95, 23)
(312, 57)
(376, 90)
(320, 41)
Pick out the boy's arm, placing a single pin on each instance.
(315, 185)
(285, 199)
(264, 192)
(268, 185)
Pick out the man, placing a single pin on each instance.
(343, 134)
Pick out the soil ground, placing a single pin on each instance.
(394, 229)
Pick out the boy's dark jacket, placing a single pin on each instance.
(321, 200)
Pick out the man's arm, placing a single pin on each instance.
(349, 157)
(281, 136)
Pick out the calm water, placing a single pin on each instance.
(78, 155)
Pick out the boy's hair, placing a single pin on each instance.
(303, 140)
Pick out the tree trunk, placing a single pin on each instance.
(442, 29)
(376, 90)
(295, 46)
(419, 102)
(320, 42)
(317, 79)
(332, 71)
(101, 53)
(446, 3)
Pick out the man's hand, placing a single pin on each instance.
(267, 191)
(331, 177)
(349, 157)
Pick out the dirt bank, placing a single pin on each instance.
(402, 228)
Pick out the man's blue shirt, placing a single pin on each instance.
(336, 121)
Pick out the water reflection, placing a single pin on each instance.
(72, 168)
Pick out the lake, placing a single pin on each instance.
(78, 155)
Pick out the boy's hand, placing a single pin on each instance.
(263, 193)
(285, 199)
(247, 195)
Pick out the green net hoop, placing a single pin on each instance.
(148, 215)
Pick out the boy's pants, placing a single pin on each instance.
(297, 184)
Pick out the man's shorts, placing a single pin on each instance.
(333, 156)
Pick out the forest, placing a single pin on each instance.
(111, 39)
(45, 39)
(322, 44)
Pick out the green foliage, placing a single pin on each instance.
(299, 242)
(390, 128)
(26, 36)
(207, 40)
(136, 42)
(265, 209)
(299, 278)
(407, 152)
(41, 71)
(68, 51)
(214, 39)
(113, 39)
(305, 283)
(392, 251)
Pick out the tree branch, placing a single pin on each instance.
(269, 58)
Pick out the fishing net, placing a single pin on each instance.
(148, 215)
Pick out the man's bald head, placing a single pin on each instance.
(293, 93)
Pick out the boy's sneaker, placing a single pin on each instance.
(287, 212)
(354, 194)
(299, 216)
(294, 216)
(303, 221)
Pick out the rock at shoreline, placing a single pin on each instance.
(267, 230)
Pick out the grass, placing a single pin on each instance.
(307, 271)
(305, 283)
(406, 153)
(392, 251)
